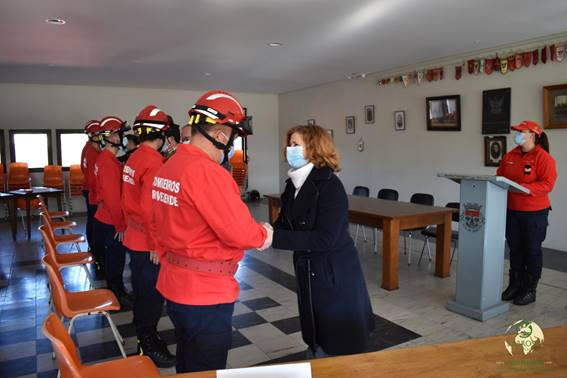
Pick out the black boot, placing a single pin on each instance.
(513, 287)
(151, 345)
(527, 294)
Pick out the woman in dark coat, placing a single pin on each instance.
(334, 309)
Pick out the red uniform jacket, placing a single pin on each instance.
(534, 170)
(88, 160)
(137, 178)
(108, 171)
(199, 214)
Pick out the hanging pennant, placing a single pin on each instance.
(559, 53)
(419, 77)
(527, 59)
(535, 57)
(481, 65)
(503, 66)
(552, 51)
(489, 66)
(470, 66)
(405, 80)
(458, 72)
(511, 63)
(429, 75)
(519, 60)
(544, 55)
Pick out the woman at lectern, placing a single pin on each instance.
(334, 308)
(530, 165)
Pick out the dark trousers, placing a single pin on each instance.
(525, 232)
(148, 302)
(203, 335)
(115, 254)
(91, 210)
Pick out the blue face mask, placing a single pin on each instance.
(230, 153)
(519, 138)
(295, 157)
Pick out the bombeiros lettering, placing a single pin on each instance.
(169, 185)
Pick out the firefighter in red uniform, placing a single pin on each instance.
(531, 166)
(110, 225)
(139, 171)
(90, 153)
(203, 229)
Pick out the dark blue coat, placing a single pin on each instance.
(334, 307)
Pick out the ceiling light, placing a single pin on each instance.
(275, 44)
(55, 21)
(208, 74)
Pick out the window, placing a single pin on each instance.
(32, 147)
(70, 144)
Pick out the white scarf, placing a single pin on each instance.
(298, 176)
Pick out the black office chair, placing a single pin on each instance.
(431, 232)
(389, 195)
(360, 191)
(421, 199)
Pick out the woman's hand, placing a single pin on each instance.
(269, 236)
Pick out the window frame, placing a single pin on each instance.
(3, 151)
(58, 133)
(13, 132)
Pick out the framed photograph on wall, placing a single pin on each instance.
(350, 125)
(496, 111)
(310, 122)
(399, 120)
(330, 131)
(494, 150)
(443, 113)
(555, 107)
(369, 114)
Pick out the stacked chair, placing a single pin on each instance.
(75, 184)
(19, 178)
(239, 170)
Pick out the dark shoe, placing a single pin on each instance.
(151, 345)
(527, 294)
(513, 287)
(99, 272)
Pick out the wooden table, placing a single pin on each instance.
(30, 194)
(485, 357)
(8, 199)
(393, 217)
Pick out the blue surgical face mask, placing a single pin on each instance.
(519, 138)
(124, 142)
(231, 153)
(295, 157)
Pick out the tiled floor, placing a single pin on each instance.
(266, 326)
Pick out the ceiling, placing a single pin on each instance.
(198, 44)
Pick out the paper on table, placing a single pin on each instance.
(301, 370)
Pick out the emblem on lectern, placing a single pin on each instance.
(471, 217)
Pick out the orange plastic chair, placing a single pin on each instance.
(58, 240)
(239, 168)
(18, 176)
(63, 224)
(76, 179)
(63, 260)
(73, 305)
(53, 177)
(2, 178)
(70, 365)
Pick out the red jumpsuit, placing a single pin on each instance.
(198, 213)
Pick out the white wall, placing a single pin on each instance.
(24, 106)
(410, 160)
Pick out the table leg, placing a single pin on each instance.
(59, 203)
(443, 249)
(390, 254)
(28, 216)
(274, 211)
(12, 216)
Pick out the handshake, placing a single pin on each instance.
(269, 236)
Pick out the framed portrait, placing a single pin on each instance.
(399, 120)
(369, 114)
(496, 111)
(494, 150)
(311, 122)
(443, 113)
(555, 107)
(350, 125)
(330, 131)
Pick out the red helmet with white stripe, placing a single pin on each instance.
(151, 120)
(111, 124)
(92, 127)
(220, 107)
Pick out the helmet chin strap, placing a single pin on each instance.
(223, 147)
